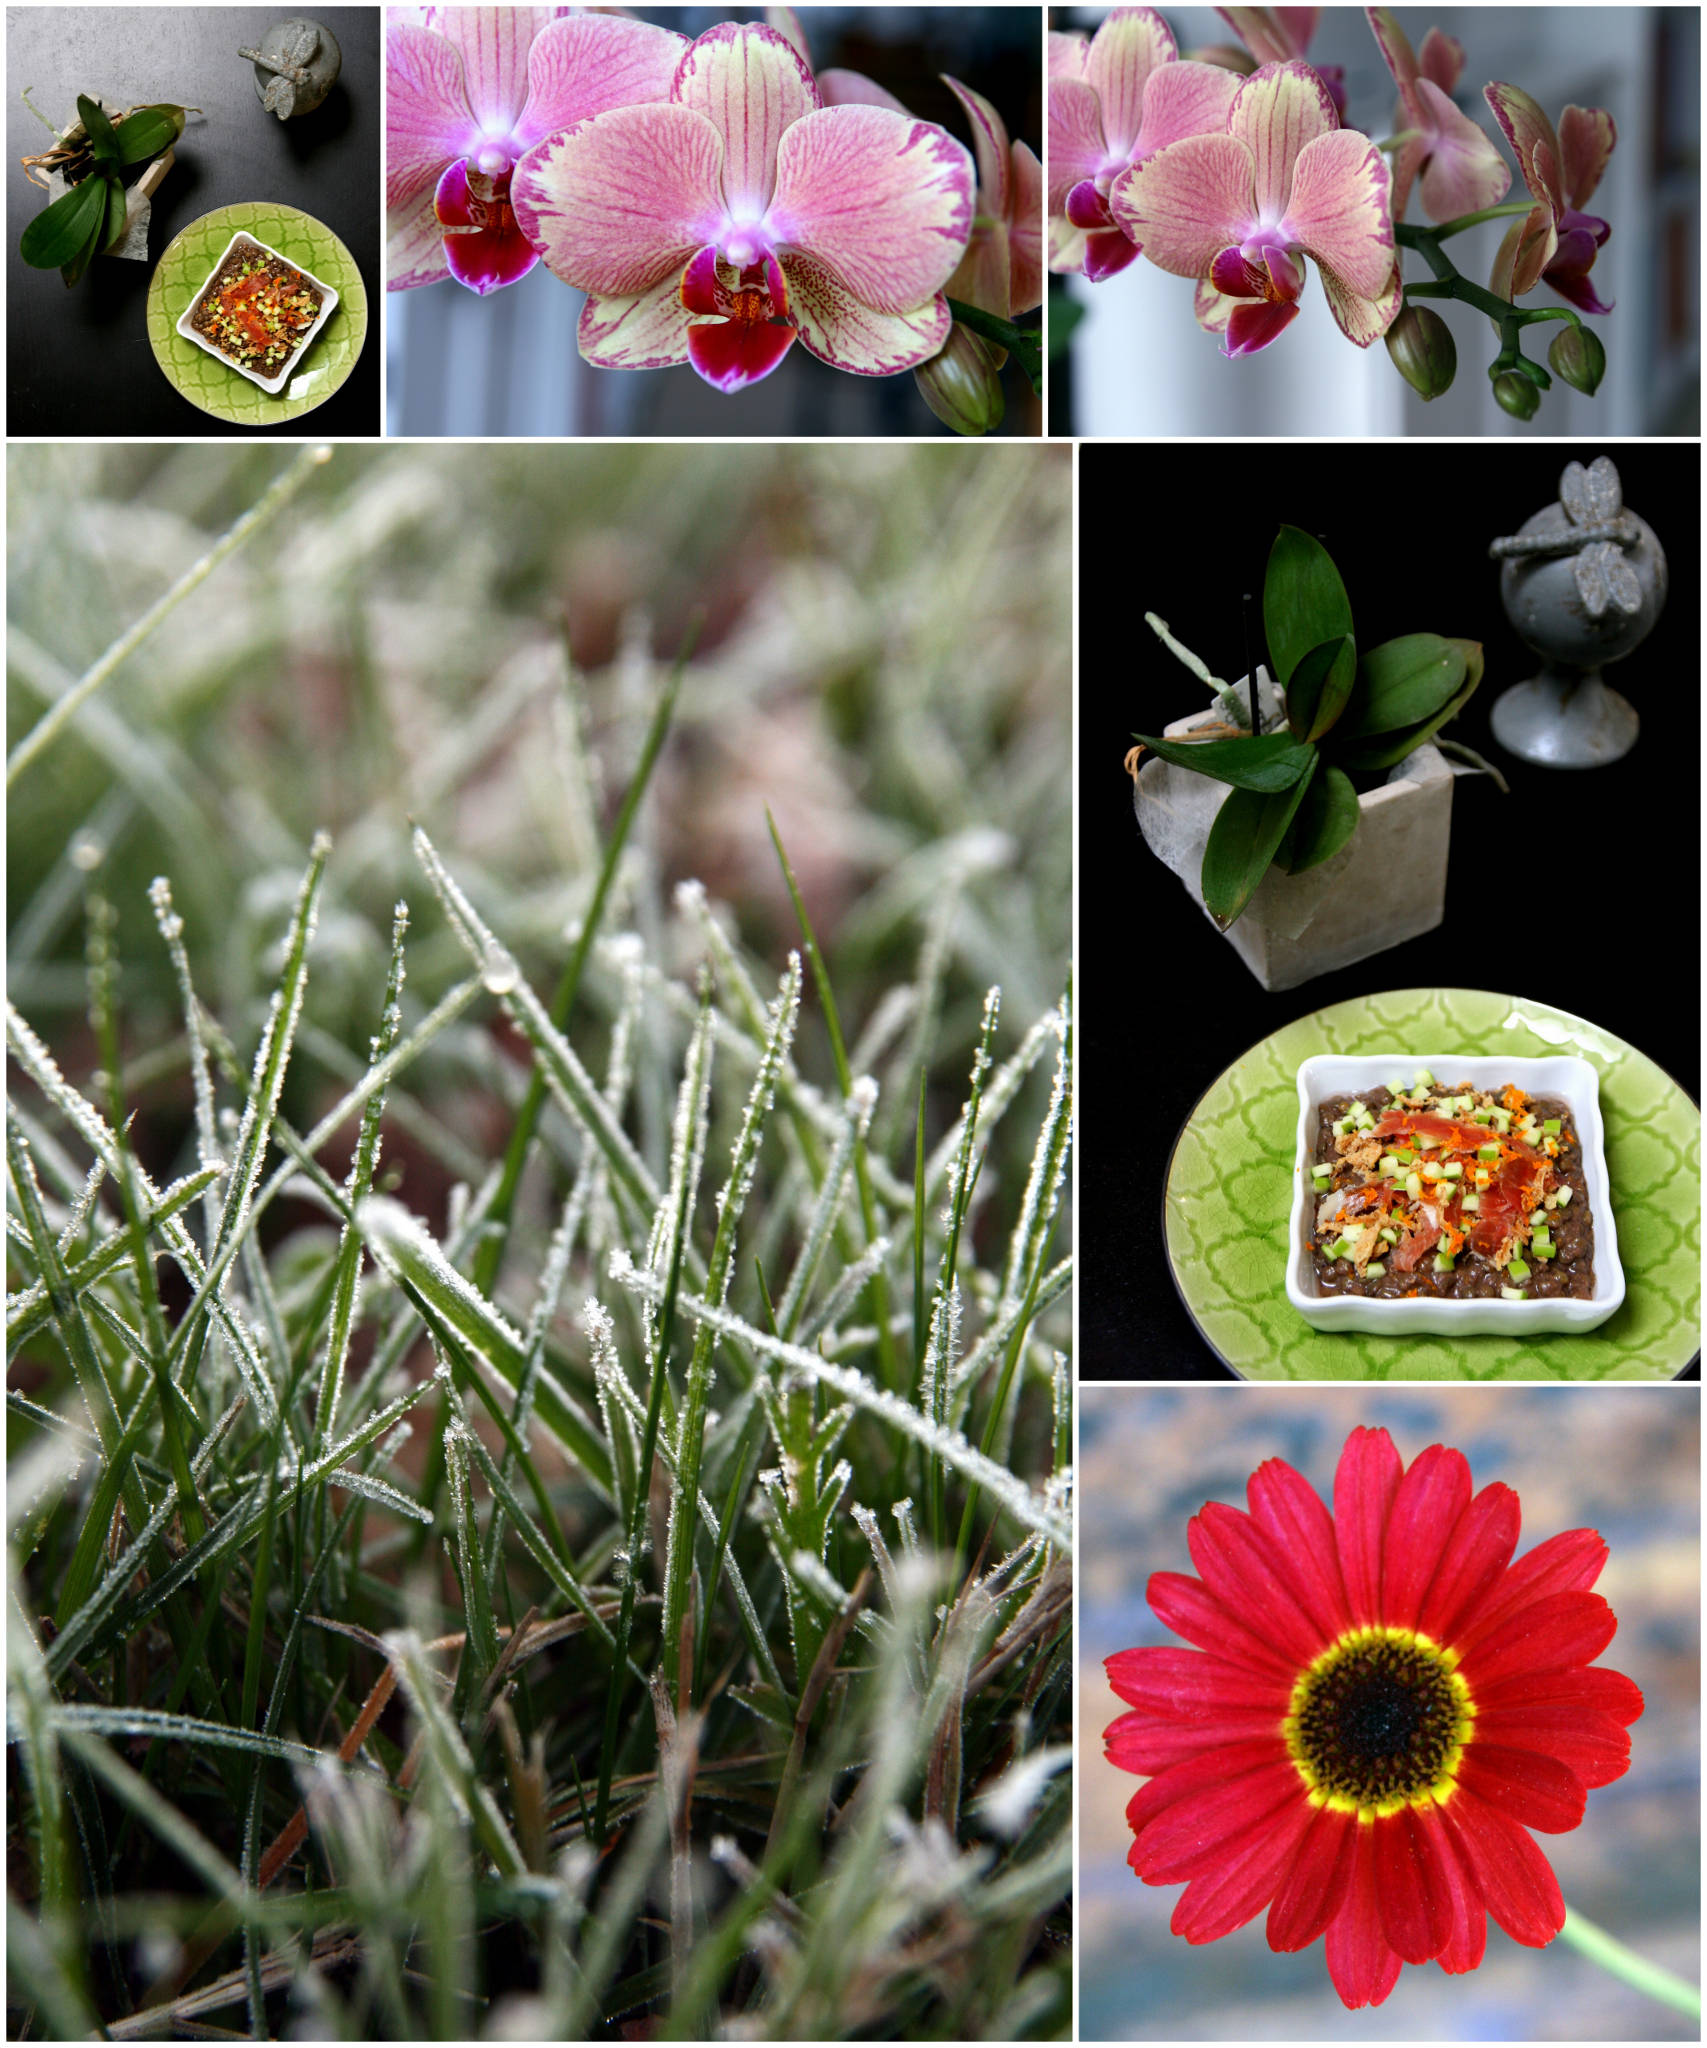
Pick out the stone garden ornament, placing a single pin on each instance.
(1584, 583)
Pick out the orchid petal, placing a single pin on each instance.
(841, 330)
(1077, 150)
(752, 85)
(624, 200)
(981, 276)
(1587, 137)
(1464, 172)
(427, 119)
(700, 284)
(883, 201)
(1266, 32)
(1525, 252)
(588, 63)
(1338, 209)
(838, 88)
(1253, 326)
(1441, 60)
(1532, 140)
(1131, 43)
(731, 354)
(636, 331)
(1086, 207)
(483, 256)
(989, 145)
(414, 245)
(1360, 318)
(1025, 232)
(1395, 48)
(1278, 111)
(1186, 99)
(1066, 246)
(1107, 253)
(786, 21)
(494, 42)
(1188, 202)
(1068, 52)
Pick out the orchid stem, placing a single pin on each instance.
(1611, 1954)
(1510, 211)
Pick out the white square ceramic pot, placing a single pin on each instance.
(1563, 1075)
(274, 384)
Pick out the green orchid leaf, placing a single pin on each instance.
(103, 142)
(1303, 600)
(1320, 684)
(114, 229)
(1322, 824)
(96, 239)
(1264, 761)
(1402, 682)
(1243, 840)
(147, 131)
(1388, 749)
(56, 234)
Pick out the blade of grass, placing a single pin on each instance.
(490, 1256)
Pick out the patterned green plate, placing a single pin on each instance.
(1228, 1202)
(215, 386)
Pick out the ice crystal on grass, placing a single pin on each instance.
(473, 1364)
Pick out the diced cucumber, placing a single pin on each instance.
(1388, 1234)
(1553, 1126)
(1430, 1169)
(1374, 1270)
(1424, 1079)
(1406, 1156)
(1544, 1248)
(1564, 1196)
(1513, 1294)
(1536, 1218)
(1388, 1163)
(1413, 1184)
(1322, 1172)
(1487, 1151)
(1453, 1170)
(1443, 1262)
(1470, 1203)
(1518, 1270)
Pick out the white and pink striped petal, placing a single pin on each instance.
(1188, 202)
(850, 335)
(752, 85)
(586, 63)
(622, 202)
(636, 330)
(1132, 43)
(414, 245)
(1277, 112)
(1338, 209)
(883, 201)
(427, 115)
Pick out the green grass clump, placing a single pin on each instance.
(539, 1423)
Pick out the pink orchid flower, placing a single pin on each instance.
(1273, 35)
(1114, 100)
(468, 91)
(716, 226)
(1240, 210)
(1461, 170)
(1557, 242)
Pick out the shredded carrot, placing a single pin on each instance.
(1513, 1098)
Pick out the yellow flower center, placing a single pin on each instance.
(1379, 1722)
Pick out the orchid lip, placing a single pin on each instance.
(492, 160)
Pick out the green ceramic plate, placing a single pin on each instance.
(215, 386)
(1228, 1202)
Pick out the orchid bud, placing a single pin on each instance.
(1578, 356)
(960, 384)
(1514, 393)
(1423, 351)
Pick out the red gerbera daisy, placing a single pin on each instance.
(1381, 1705)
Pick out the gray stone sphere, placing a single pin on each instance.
(1543, 602)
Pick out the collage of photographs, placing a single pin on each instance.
(854, 1021)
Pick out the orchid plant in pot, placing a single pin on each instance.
(1256, 804)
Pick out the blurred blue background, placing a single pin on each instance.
(1625, 1461)
(1139, 364)
(457, 364)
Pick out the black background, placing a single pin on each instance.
(1579, 889)
(79, 362)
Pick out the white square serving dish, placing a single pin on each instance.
(1564, 1075)
(328, 305)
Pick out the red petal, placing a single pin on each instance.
(1190, 1610)
(1200, 1774)
(1567, 1563)
(1515, 1880)
(1240, 1566)
(1220, 1900)
(732, 354)
(1140, 1742)
(1536, 1790)
(1478, 1552)
(1592, 1691)
(483, 258)
(1363, 1966)
(1191, 1834)
(1594, 1746)
(701, 292)
(1107, 252)
(1364, 1486)
(1288, 1509)
(1165, 1680)
(1564, 1629)
(1416, 1884)
(1469, 1941)
(1253, 327)
(1315, 1887)
(1431, 1497)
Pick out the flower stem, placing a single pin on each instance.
(1611, 1954)
(1509, 211)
